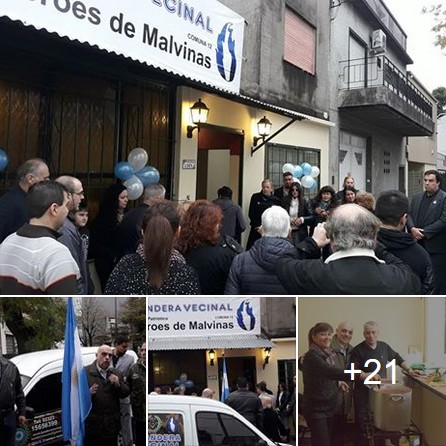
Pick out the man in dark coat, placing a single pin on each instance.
(130, 229)
(253, 272)
(137, 382)
(246, 403)
(260, 201)
(354, 267)
(427, 223)
(282, 192)
(13, 210)
(233, 223)
(11, 393)
(107, 386)
(392, 208)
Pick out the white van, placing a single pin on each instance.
(176, 420)
(41, 374)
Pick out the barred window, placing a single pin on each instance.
(279, 154)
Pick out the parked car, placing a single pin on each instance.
(41, 374)
(192, 420)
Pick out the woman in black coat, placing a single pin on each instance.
(321, 380)
(300, 212)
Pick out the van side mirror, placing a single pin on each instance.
(30, 413)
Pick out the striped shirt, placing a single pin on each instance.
(32, 261)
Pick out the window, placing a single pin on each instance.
(46, 395)
(216, 429)
(286, 370)
(300, 42)
(279, 154)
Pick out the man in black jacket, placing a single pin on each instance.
(392, 208)
(11, 393)
(357, 265)
(246, 403)
(427, 223)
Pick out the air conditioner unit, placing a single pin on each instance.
(378, 41)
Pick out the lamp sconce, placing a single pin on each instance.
(263, 129)
(199, 114)
(211, 357)
(267, 354)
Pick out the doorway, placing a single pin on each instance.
(219, 161)
(235, 367)
(352, 159)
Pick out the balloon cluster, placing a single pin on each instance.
(303, 174)
(135, 174)
(3, 159)
(184, 382)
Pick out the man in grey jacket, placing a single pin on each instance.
(123, 363)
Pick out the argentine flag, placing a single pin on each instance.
(76, 398)
(224, 383)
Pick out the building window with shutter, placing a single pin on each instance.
(300, 42)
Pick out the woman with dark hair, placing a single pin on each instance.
(156, 267)
(324, 203)
(104, 239)
(300, 212)
(349, 195)
(321, 380)
(204, 248)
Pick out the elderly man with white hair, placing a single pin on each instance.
(357, 265)
(253, 272)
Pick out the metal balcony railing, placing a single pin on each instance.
(379, 70)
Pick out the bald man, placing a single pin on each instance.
(107, 386)
(342, 348)
(208, 393)
(357, 265)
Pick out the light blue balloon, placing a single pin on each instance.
(306, 168)
(3, 159)
(297, 172)
(124, 171)
(148, 175)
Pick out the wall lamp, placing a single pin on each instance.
(199, 114)
(267, 353)
(263, 129)
(211, 357)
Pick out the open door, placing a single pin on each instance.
(219, 161)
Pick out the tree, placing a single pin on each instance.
(440, 95)
(134, 315)
(93, 322)
(439, 14)
(37, 323)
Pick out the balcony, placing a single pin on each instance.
(376, 91)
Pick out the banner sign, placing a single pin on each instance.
(203, 316)
(199, 39)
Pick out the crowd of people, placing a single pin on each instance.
(337, 243)
(274, 415)
(329, 393)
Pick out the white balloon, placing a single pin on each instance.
(315, 171)
(296, 180)
(134, 187)
(138, 158)
(307, 181)
(287, 167)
